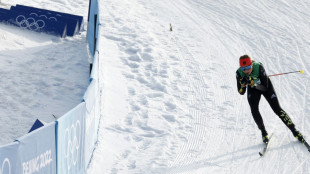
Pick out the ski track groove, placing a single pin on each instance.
(197, 82)
(197, 85)
(193, 88)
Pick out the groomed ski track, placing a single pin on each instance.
(170, 103)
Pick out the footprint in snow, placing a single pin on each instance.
(169, 118)
(170, 106)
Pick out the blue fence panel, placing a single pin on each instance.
(2, 10)
(90, 122)
(97, 112)
(92, 26)
(35, 23)
(79, 18)
(72, 24)
(70, 141)
(95, 69)
(3, 14)
(95, 76)
(8, 158)
(37, 151)
(36, 125)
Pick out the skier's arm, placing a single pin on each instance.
(263, 86)
(240, 86)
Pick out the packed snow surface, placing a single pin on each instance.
(169, 98)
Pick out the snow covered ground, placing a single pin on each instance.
(41, 75)
(170, 103)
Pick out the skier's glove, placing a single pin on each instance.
(251, 83)
(244, 81)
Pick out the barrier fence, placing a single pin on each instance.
(42, 20)
(66, 145)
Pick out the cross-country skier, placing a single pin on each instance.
(251, 75)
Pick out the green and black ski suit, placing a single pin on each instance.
(262, 86)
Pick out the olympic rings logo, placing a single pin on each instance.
(50, 18)
(5, 163)
(73, 143)
(29, 23)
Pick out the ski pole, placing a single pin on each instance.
(286, 73)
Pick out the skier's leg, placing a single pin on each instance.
(273, 101)
(253, 99)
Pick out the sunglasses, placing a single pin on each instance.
(246, 67)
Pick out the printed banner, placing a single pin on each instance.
(72, 21)
(8, 158)
(70, 141)
(56, 13)
(34, 23)
(37, 151)
(90, 126)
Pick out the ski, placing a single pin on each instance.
(266, 145)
